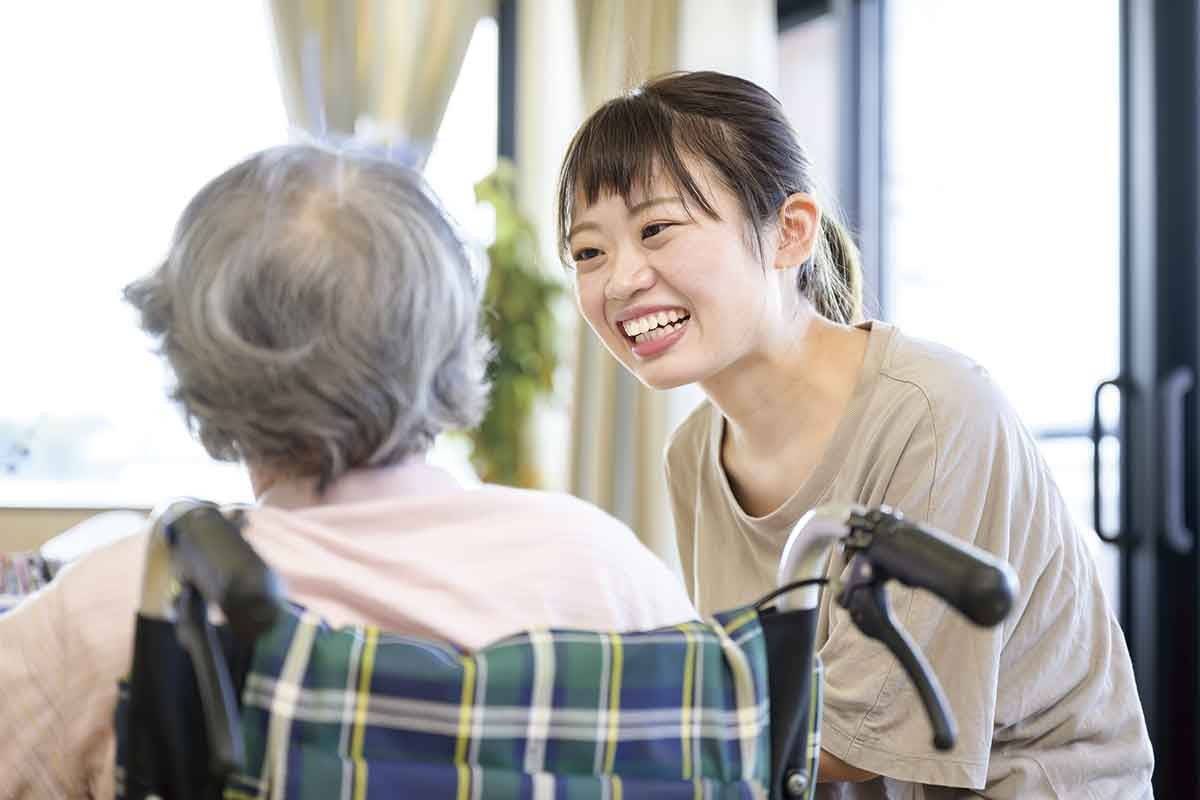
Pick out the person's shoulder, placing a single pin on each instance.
(952, 385)
(549, 505)
(562, 522)
(86, 613)
(107, 579)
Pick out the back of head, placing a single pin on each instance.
(739, 131)
(320, 313)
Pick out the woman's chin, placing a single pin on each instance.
(662, 380)
(661, 372)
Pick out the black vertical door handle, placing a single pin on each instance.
(1175, 387)
(1117, 537)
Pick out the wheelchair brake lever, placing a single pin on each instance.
(199, 638)
(863, 595)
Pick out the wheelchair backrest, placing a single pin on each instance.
(661, 713)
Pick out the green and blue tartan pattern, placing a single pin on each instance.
(680, 712)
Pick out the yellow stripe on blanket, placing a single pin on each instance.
(685, 720)
(614, 705)
(464, 728)
(365, 673)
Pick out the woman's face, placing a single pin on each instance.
(676, 297)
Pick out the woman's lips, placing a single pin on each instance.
(653, 347)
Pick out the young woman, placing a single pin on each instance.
(702, 255)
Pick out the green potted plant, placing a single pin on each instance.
(519, 317)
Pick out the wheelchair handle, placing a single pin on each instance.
(218, 699)
(979, 585)
(806, 554)
(880, 544)
(209, 553)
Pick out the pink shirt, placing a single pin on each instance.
(405, 548)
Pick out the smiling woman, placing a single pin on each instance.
(690, 197)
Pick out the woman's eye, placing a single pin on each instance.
(654, 229)
(585, 253)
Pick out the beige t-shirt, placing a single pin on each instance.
(1045, 703)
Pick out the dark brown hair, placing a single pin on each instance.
(739, 130)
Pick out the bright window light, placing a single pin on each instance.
(118, 114)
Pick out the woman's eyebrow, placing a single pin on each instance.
(633, 211)
(642, 206)
(581, 226)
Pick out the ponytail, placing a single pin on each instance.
(832, 280)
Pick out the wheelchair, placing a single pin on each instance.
(236, 692)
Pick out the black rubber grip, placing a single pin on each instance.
(975, 582)
(209, 553)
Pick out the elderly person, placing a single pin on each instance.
(320, 315)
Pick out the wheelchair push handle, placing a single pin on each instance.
(979, 585)
(209, 553)
(213, 565)
(881, 545)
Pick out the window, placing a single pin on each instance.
(809, 80)
(119, 117)
(1002, 204)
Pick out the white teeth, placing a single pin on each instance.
(657, 333)
(654, 325)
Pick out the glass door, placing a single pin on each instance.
(1038, 193)
(1001, 214)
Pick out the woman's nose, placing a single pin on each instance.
(629, 278)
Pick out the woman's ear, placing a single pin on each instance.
(799, 227)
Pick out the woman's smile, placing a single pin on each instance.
(650, 332)
(658, 340)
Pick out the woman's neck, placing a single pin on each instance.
(261, 480)
(800, 383)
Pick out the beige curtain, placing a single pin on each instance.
(618, 427)
(378, 71)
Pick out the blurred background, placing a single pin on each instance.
(1021, 176)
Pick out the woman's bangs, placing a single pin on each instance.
(619, 151)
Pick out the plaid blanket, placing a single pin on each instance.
(354, 713)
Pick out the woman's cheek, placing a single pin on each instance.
(589, 296)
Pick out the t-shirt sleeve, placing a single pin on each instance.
(683, 460)
(63, 651)
(684, 516)
(33, 721)
(952, 468)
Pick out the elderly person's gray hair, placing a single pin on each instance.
(320, 312)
